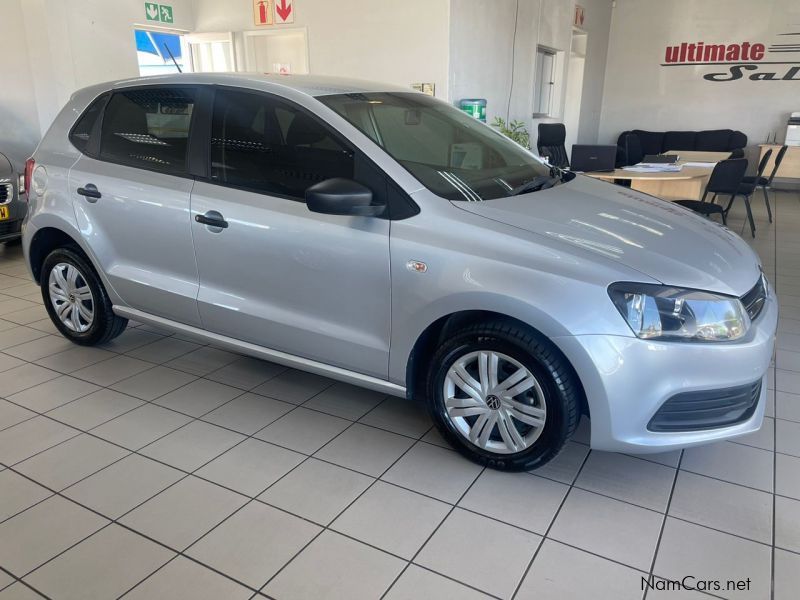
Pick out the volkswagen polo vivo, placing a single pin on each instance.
(381, 237)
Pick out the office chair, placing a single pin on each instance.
(725, 179)
(629, 150)
(550, 144)
(765, 183)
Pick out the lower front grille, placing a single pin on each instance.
(9, 227)
(708, 409)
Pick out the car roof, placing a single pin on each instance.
(311, 85)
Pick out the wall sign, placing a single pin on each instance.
(284, 11)
(580, 15)
(158, 12)
(273, 12)
(262, 12)
(754, 60)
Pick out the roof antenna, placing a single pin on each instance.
(177, 66)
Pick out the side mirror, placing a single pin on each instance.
(340, 196)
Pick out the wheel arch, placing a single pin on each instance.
(43, 242)
(433, 335)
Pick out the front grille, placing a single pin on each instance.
(6, 192)
(708, 409)
(755, 299)
(9, 227)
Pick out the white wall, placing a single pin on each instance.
(482, 48)
(19, 118)
(597, 24)
(639, 93)
(53, 47)
(396, 42)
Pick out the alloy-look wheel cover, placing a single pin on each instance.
(494, 402)
(71, 297)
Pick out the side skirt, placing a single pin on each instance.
(276, 356)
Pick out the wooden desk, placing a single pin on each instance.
(686, 184)
(790, 165)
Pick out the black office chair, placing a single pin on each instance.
(725, 179)
(765, 183)
(629, 150)
(746, 188)
(550, 144)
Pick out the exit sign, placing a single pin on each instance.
(158, 12)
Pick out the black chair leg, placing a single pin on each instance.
(750, 216)
(766, 201)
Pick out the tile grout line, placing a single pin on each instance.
(550, 526)
(664, 522)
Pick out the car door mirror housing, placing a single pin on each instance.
(339, 196)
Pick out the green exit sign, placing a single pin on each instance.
(158, 12)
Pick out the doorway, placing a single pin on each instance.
(282, 51)
(574, 87)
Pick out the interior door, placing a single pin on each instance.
(272, 272)
(132, 202)
(283, 51)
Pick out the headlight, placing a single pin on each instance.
(669, 313)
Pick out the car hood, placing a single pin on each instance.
(655, 237)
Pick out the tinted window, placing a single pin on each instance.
(82, 130)
(262, 143)
(451, 153)
(148, 128)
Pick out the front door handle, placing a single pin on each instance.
(90, 191)
(213, 219)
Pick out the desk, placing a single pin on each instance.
(686, 184)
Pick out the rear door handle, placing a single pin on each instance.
(213, 219)
(90, 191)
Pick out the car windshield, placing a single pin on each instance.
(449, 152)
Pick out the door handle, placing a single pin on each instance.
(90, 191)
(213, 219)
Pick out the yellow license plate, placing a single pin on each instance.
(3, 213)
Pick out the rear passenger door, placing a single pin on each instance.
(278, 275)
(131, 191)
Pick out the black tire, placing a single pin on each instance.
(555, 376)
(105, 325)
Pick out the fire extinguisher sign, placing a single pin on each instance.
(262, 12)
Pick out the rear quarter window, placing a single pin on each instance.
(83, 129)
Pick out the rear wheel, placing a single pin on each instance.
(503, 396)
(76, 300)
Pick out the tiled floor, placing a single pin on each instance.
(159, 468)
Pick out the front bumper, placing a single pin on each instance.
(627, 379)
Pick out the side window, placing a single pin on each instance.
(82, 130)
(264, 144)
(148, 128)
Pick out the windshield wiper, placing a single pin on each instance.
(541, 182)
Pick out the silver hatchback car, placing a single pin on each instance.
(384, 238)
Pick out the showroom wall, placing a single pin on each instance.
(482, 49)
(59, 46)
(397, 42)
(640, 93)
(19, 117)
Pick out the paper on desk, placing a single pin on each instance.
(653, 168)
(709, 165)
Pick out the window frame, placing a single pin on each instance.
(552, 82)
(93, 143)
(190, 143)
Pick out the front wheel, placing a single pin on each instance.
(76, 300)
(503, 396)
